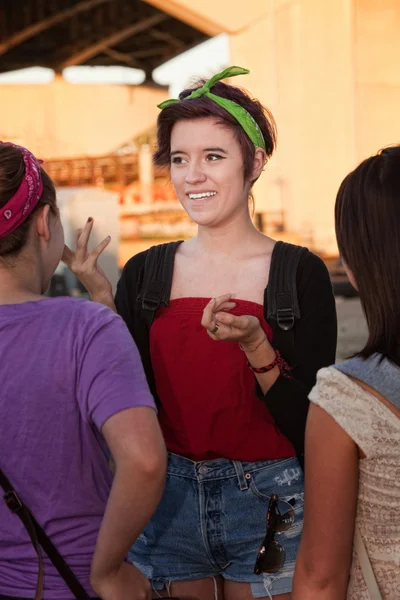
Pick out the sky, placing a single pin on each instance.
(204, 60)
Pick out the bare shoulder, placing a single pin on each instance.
(265, 243)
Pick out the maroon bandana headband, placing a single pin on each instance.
(20, 206)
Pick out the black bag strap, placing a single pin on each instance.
(282, 303)
(157, 279)
(40, 539)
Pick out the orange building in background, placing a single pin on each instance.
(65, 120)
(328, 70)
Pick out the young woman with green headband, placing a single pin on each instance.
(231, 409)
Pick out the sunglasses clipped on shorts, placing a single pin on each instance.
(271, 555)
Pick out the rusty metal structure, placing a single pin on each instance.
(61, 33)
(118, 169)
(105, 171)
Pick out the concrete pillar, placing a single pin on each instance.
(302, 68)
(377, 40)
(301, 54)
(76, 205)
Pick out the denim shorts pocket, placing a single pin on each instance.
(276, 478)
(256, 492)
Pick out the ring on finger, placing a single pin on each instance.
(214, 331)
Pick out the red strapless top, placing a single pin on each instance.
(209, 408)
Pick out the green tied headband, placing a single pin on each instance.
(241, 115)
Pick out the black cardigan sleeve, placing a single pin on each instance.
(315, 347)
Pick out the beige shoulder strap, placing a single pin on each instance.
(366, 567)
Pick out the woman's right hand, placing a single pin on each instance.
(84, 264)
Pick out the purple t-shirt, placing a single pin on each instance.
(66, 366)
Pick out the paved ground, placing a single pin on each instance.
(352, 328)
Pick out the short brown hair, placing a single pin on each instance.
(367, 216)
(198, 108)
(12, 171)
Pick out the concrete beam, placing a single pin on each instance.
(121, 57)
(36, 28)
(214, 17)
(192, 16)
(111, 40)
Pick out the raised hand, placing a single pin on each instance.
(84, 263)
(221, 325)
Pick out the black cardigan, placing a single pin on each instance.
(315, 341)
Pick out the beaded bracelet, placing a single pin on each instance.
(278, 361)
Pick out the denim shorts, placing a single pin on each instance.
(212, 520)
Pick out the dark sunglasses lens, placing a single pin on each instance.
(270, 559)
(284, 517)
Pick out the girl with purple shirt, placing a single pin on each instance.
(72, 383)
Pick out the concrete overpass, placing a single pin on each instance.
(328, 70)
(62, 33)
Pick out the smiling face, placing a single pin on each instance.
(207, 171)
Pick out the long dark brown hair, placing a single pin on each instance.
(367, 216)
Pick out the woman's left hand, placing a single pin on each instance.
(222, 325)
